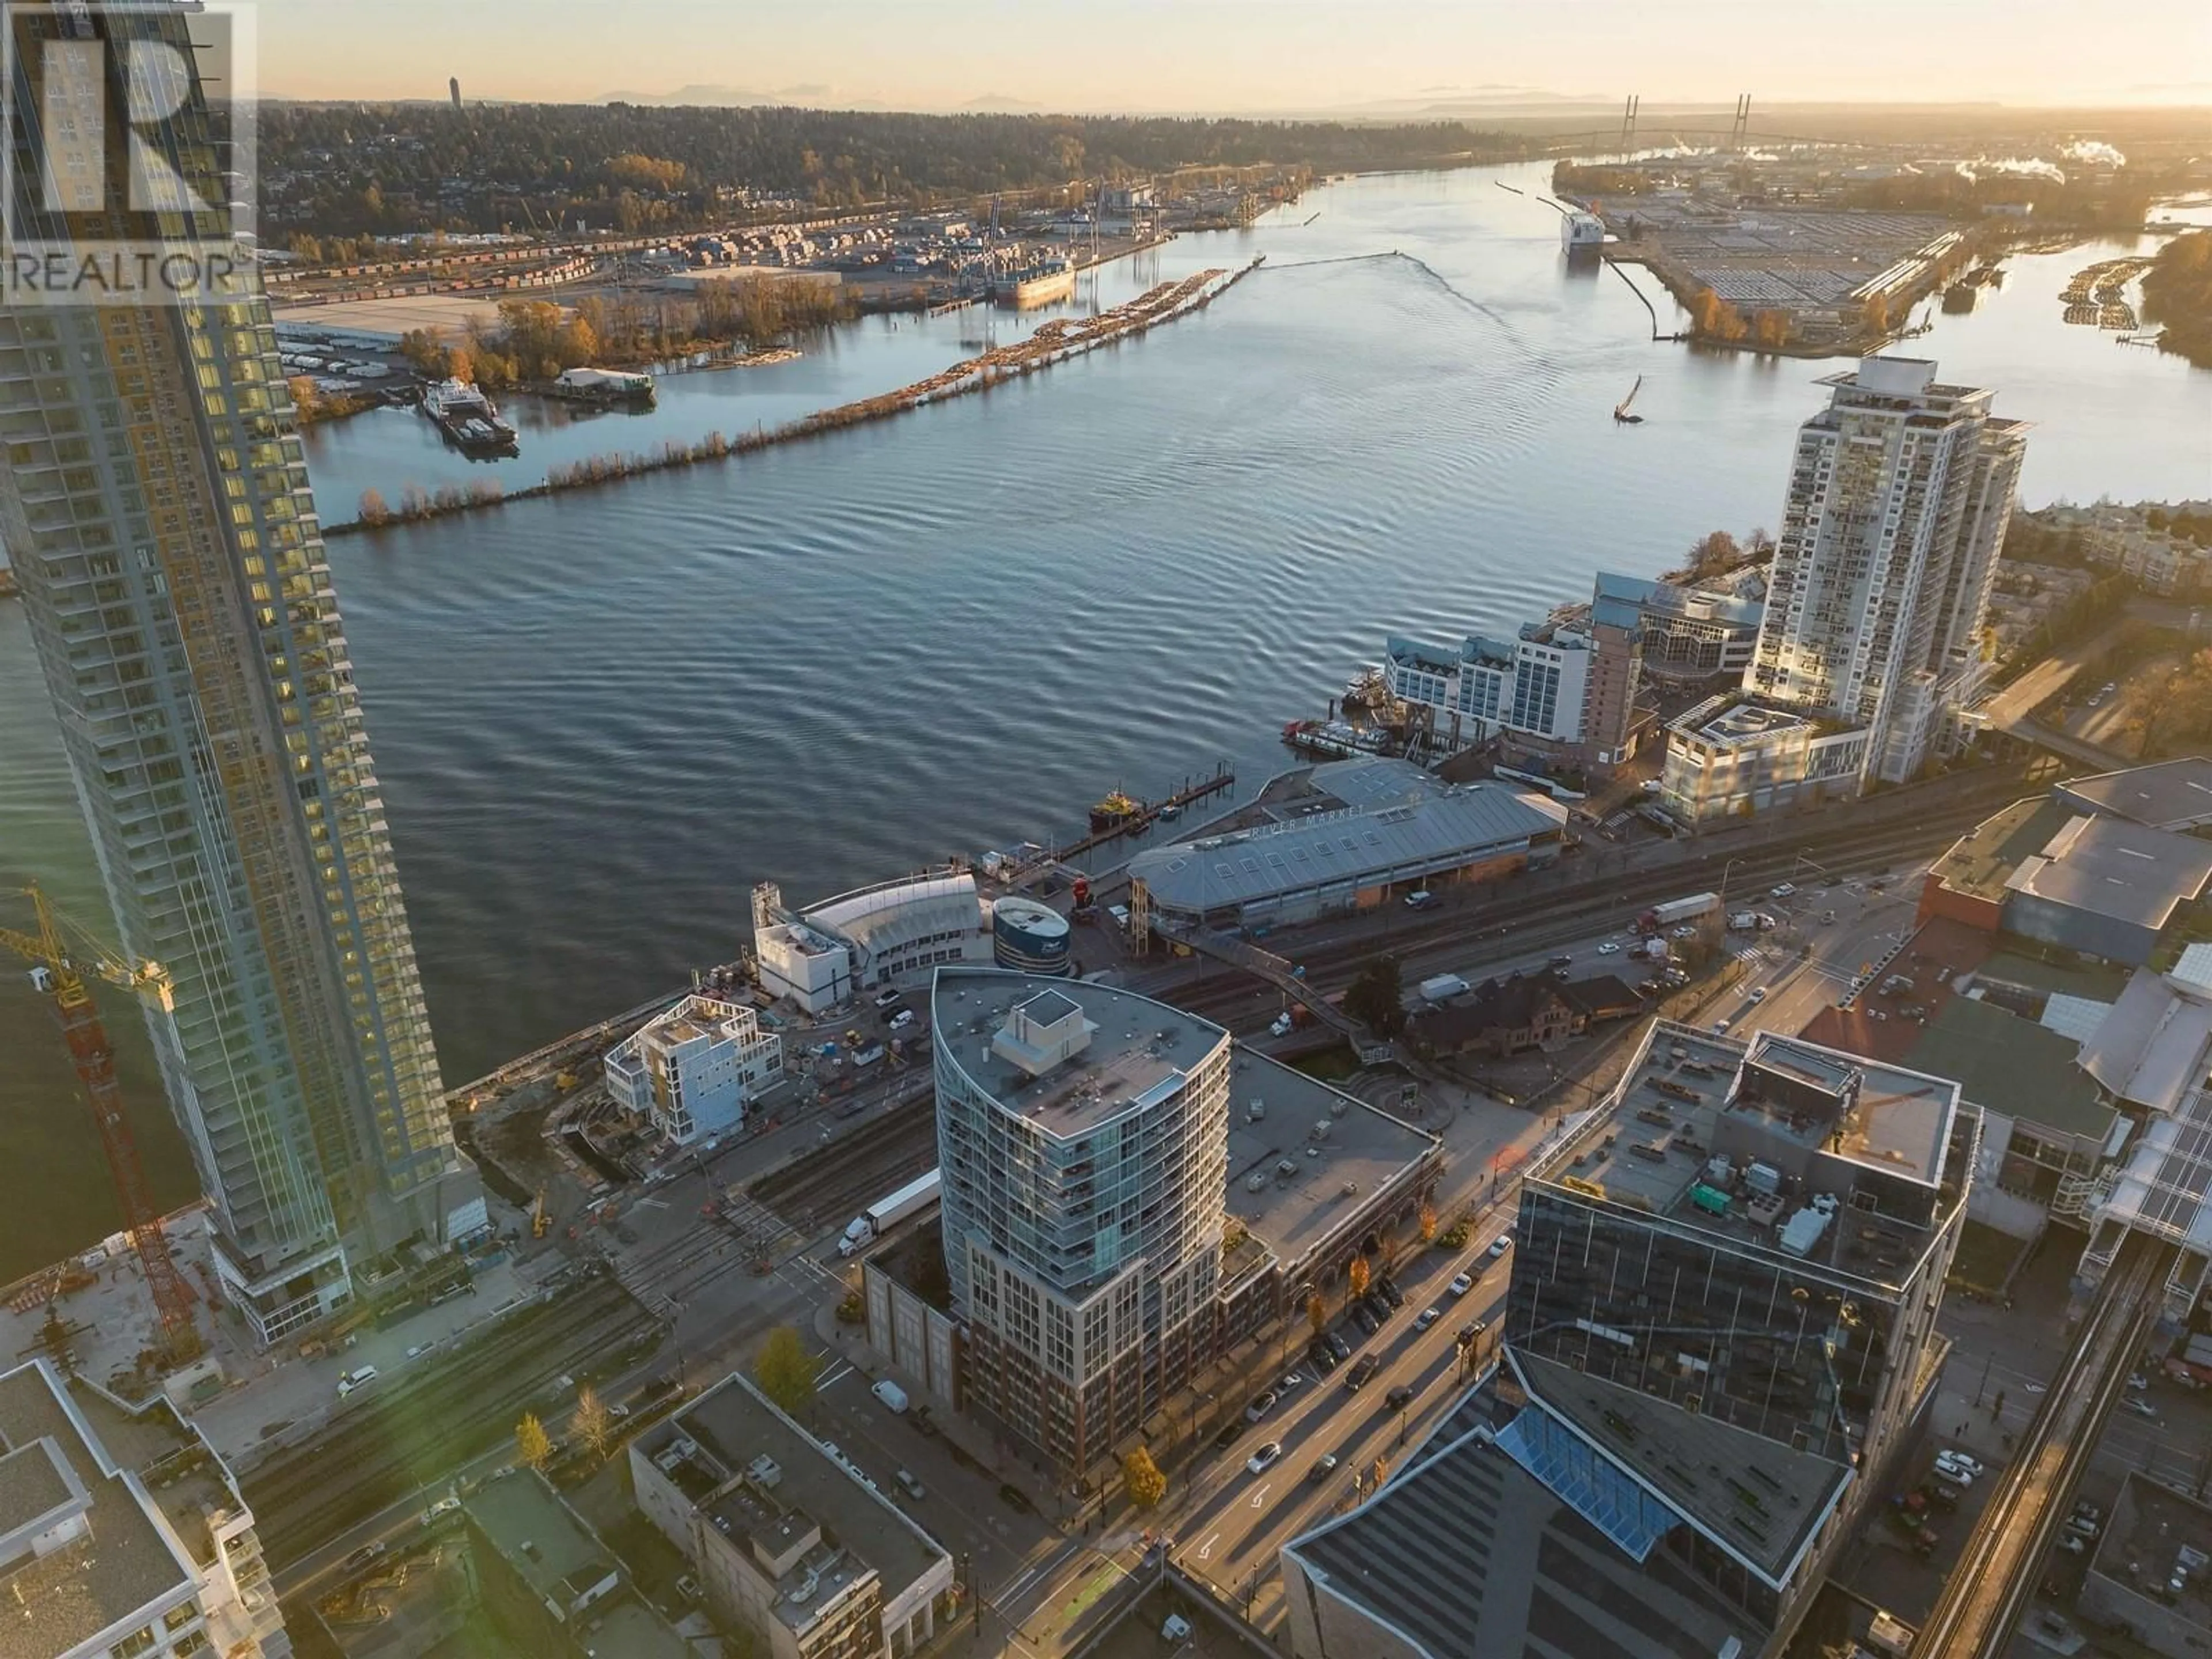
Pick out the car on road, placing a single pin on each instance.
(359, 1377)
(1356, 1379)
(1375, 1304)
(1399, 1397)
(1782, 889)
(1472, 1329)
(1015, 1499)
(1563, 960)
(1462, 1284)
(1720, 1025)
(1426, 1317)
(362, 1557)
(1759, 994)
(1608, 948)
(1687, 930)
(1288, 1381)
(1264, 1459)
(1261, 1405)
(1323, 1356)
(1338, 1346)
(2141, 1407)
(1388, 1288)
(1230, 1431)
(443, 1507)
(2137, 1383)
(1420, 901)
(1281, 1026)
(1323, 1466)
(900, 1020)
(912, 1487)
(1364, 1316)
(889, 999)
(1499, 1245)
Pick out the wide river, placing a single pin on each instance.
(600, 718)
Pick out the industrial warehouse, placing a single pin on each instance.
(1362, 828)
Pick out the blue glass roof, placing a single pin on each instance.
(1587, 1483)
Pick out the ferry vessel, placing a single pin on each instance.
(470, 420)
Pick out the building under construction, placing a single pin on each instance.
(154, 498)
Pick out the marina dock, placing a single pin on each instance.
(1147, 814)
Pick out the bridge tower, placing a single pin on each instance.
(1628, 126)
(1739, 131)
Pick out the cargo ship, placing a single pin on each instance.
(1035, 285)
(470, 420)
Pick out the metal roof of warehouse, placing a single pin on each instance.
(2153, 1046)
(2175, 794)
(1407, 831)
(2113, 867)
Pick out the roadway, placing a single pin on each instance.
(1999, 1569)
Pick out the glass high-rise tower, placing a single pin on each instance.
(155, 503)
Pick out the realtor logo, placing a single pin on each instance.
(129, 153)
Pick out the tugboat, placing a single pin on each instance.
(1367, 687)
(1116, 809)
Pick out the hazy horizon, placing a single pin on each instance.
(1231, 56)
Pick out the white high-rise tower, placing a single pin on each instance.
(1899, 494)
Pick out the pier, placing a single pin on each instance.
(1137, 823)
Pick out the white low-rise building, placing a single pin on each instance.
(1732, 758)
(1535, 686)
(694, 1070)
(877, 937)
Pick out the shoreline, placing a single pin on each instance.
(1056, 342)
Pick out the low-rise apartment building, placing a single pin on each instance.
(122, 1533)
(694, 1070)
(797, 1556)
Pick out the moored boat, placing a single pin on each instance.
(1115, 809)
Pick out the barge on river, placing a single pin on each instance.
(470, 420)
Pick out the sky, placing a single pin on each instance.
(1238, 55)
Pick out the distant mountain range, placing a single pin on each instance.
(811, 95)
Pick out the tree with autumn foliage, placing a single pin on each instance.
(531, 1444)
(1142, 1481)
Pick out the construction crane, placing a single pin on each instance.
(58, 973)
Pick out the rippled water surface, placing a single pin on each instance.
(599, 717)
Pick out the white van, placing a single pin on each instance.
(359, 1378)
(892, 1396)
(1120, 912)
(1420, 901)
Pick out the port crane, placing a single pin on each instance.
(60, 974)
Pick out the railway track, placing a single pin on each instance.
(833, 1184)
(422, 1427)
(1997, 1570)
(1562, 915)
